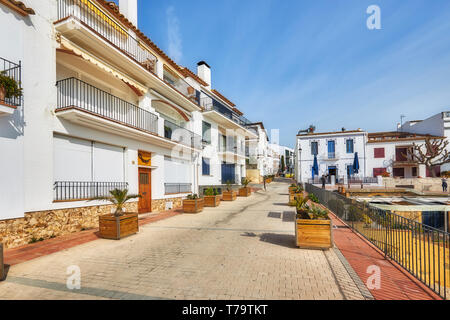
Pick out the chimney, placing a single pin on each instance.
(129, 9)
(204, 72)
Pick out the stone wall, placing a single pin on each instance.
(420, 184)
(159, 205)
(36, 226)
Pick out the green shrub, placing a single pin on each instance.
(192, 197)
(12, 88)
(209, 192)
(313, 198)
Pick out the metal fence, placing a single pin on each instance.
(74, 190)
(13, 71)
(181, 135)
(172, 188)
(76, 93)
(96, 19)
(420, 249)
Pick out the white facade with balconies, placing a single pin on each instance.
(103, 107)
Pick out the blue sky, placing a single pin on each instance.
(295, 63)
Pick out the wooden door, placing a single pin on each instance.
(145, 190)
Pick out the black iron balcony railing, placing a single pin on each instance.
(211, 104)
(93, 17)
(11, 70)
(74, 93)
(77, 190)
(420, 249)
(181, 135)
(173, 188)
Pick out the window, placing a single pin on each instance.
(314, 148)
(206, 132)
(331, 149)
(378, 171)
(414, 171)
(87, 161)
(378, 152)
(177, 171)
(206, 168)
(350, 145)
(399, 172)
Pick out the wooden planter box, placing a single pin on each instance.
(313, 234)
(193, 206)
(212, 201)
(245, 192)
(116, 228)
(292, 197)
(229, 195)
(291, 190)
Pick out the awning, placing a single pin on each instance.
(88, 57)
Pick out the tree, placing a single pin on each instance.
(283, 166)
(433, 153)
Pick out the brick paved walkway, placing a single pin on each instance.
(242, 250)
(395, 284)
(43, 248)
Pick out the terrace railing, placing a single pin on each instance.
(81, 95)
(96, 19)
(420, 249)
(181, 135)
(77, 190)
(13, 71)
(173, 188)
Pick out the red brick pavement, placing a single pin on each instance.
(396, 283)
(46, 247)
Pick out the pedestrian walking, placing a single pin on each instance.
(322, 179)
(264, 178)
(444, 185)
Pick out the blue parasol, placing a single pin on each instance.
(356, 163)
(315, 168)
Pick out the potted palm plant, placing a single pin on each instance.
(229, 194)
(193, 204)
(245, 191)
(211, 197)
(9, 88)
(119, 224)
(312, 226)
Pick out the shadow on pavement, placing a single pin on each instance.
(284, 240)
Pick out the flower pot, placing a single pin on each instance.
(313, 234)
(212, 201)
(229, 195)
(116, 228)
(193, 206)
(245, 192)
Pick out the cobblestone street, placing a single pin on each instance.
(241, 250)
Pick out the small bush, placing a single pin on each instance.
(313, 198)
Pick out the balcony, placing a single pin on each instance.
(329, 156)
(226, 116)
(181, 135)
(91, 16)
(89, 26)
(78, 98)
(13, 71)
(77, 190)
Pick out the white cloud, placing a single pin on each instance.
(174, 35)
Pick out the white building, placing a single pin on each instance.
(381, 153)
(261, 156)
(335, 153)
(288, 154)
(102, 108)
